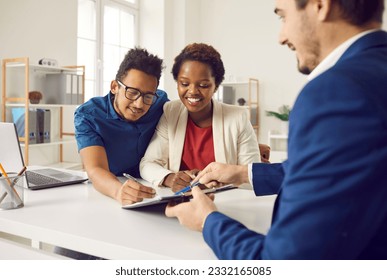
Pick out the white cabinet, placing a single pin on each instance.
(62, 89)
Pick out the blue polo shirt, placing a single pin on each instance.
(97, 124)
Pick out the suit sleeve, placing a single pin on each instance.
(332, 182)
(267, 178)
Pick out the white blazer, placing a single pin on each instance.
(234, 140)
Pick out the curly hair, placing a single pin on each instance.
(357, 12)
(140, 59)
(202, 53)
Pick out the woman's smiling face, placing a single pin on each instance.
(196, 86)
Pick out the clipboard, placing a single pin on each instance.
(160, 199)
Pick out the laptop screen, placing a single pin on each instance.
(12, 160)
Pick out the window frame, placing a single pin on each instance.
(132, 8)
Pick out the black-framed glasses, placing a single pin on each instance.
(133, 94)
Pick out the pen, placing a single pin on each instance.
(187, 188)
(12, 190)
(5, 174)
(13, 182)
(22, 171)
(18, 174)
(1, 174)
(130, 177)
(3, 196)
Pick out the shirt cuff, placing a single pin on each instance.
(250, 173)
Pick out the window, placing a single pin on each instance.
(107, 29)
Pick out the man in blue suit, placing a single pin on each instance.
(332, 190)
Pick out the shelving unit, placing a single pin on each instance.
(68, 83)
(252, 97)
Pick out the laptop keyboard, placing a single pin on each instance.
(39, 179)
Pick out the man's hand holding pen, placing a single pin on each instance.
(133, 191)
(216, 174)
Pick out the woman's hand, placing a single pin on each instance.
(179, 180)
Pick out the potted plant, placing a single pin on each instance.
(283, 115)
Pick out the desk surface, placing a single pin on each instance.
(11, 250)
(80, 218)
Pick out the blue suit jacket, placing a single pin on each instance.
(332, 201)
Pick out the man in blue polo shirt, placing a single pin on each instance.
(113, 131)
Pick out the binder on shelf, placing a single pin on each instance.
(18, 116)
(80, 90)
(32, 127)
(226, 94)
(43, 125)
(74, 89)
(47, 126)
(63, 89)
(39, 125)
(39, 122)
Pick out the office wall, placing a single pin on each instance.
(39, 29)
(44, 28)
(247, 37)
(246, 34)
(244, 31)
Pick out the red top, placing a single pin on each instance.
(198, 149)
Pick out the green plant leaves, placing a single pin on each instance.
(282, 114)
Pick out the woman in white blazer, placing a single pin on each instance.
(196, 129)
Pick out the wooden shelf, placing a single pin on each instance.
(41, 105)
(52, 143)
(46, 69)
(244, 83)
(31, 73)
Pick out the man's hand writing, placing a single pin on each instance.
(132, 192)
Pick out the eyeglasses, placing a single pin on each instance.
(133, 94)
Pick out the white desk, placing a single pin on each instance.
(80, 218)
(10, 250)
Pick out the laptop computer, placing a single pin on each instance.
(12, 160)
